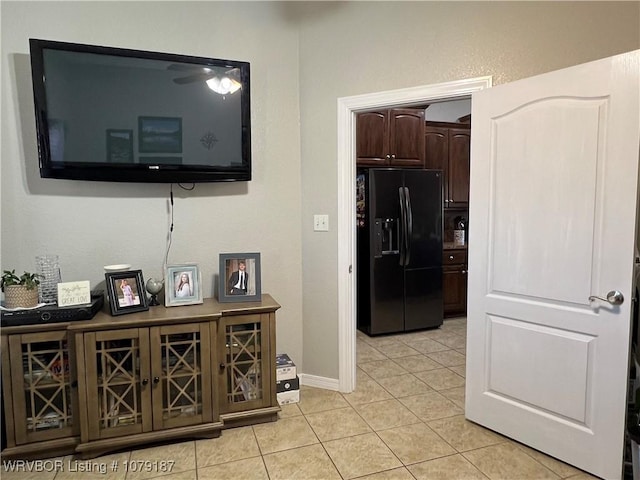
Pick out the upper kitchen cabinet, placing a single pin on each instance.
(390, 138)
(447, 147)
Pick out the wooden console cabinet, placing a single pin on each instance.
(109, 383)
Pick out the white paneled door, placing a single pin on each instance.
(554, 192)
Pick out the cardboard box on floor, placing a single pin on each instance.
(287, 380)
(285, 368)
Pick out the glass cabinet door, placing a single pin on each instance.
(181, 375)
(119, 398)
(42, 386)
(244, 351)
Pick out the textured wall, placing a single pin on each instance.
(91, 224)
(358, 48)
(304, 56)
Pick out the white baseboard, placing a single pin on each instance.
(319, 382)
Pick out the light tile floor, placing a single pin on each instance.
(404, 421)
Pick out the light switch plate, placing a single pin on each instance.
(321, 223)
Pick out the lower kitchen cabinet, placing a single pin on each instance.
(454, 282)
(159, 375)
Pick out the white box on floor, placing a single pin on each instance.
(285, 368)
(289, 384)
(290, 396)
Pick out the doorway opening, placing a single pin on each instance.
(347, 108)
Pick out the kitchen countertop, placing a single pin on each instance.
(452, 246)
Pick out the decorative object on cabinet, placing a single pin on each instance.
(154, 287)
(454, 281)
(48, 268)
(447, 148)
(120, 267)
(111, 383)
(390, 137)
(20, 291)
(74, 293)
(126, 292)
(184, 285)
(239, 278)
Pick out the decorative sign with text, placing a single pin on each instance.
(74, 293)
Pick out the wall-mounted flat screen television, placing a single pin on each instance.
(113, 114)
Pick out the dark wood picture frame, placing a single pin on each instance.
(123, 300)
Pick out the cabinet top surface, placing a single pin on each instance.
(209, 310)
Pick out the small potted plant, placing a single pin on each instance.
(20, 291)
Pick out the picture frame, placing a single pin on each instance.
(160, 134)
(230, 288)
(119, 146)
(183, 285)
(126, 292)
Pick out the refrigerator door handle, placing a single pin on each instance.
(409, 231)
(403, 226)
(377, 238)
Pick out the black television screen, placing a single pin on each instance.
(114, 114)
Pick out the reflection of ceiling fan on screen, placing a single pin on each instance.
(220, 80)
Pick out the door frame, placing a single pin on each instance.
(347, 108)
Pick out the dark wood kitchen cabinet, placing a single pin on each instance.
(390, 138)
(447, 147)
(454, 281)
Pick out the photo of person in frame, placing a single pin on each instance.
(128, 295)
(239, 277)
(239, 280)
(183, 284)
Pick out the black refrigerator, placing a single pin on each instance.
(399, 250)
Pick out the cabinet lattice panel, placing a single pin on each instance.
(243, 359)
(182, 374)
(47, 388)
(118, 382)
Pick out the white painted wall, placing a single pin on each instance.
(304, 56)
